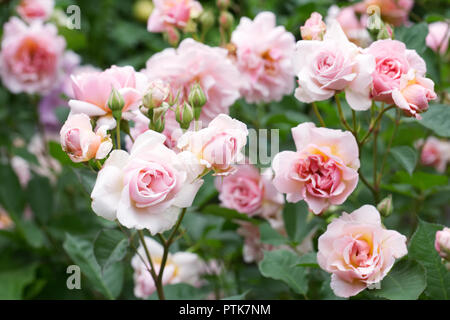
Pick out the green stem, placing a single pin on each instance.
(159, 289)
(375, 160)
(118, 135)
(383, 162)
(341, 115)
(374, 123)
(316, 111)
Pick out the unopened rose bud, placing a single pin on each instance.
(385, 32)
(197, 99)
(158, 117)
(442, 243)
(314, 28)
(184, 114)
(374, 23)
(207, 20)
(385, 207)
(142, 10)
(157, 93)
(226, 20)
(116, 103)
(223, 4)
(172, 36)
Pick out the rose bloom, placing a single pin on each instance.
(195, 62)
(181, 267)
(219, 145)
(314, 28)
(442, 243)
(250, 192)
(438, 36)
(263, 54)
(414, 94)
(172, 13)
(435, 153)
(353, 27)
(92, 89)
(147, 187)
(35, 10)
(392, 60)
(395, 12)
(326, 67)
(324, 169)
(80, 142)
(358, 251)
(30, 56)
(21, 169)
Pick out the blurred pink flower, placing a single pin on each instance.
(393, 61)
(35, 10)
(172, 13)
(92, 89)
(435, 153)
(442, 243)
(358, 250)
(263, 55)
(324, 169)
(438, 36)
(314, 28)
(30, 57)
(194, 62)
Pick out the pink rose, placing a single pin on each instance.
(148, 187)
(263, 54)
(30, 58)
(354, 27)
(172, 13)
(81, 143)
(395, 12)
(157, 92)
(442, 243)
(21, 169)
(92, 90)
(195, 62)
(435, 153)
(392, 60)
(358, 251)
(219, 145)
(35, 10)
(247, 191)
(314, 27)
(324, 169)
(438, 36)
(326, 67)
(414, 94)
(181, 267)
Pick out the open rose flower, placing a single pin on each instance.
(393, 61)
(438, 36)
(395, 12)
(314, 28)
(81, 143)
(324, 169)
(30, 56)
(195, 62)
(219, 145)
(263, 54)
(92, 89)
(435, 153)
(172, 13)
(181, 267)
(335, 64)
(148, 187)
(358, 251)
(442, 243)
(35, 10)
(413, 94)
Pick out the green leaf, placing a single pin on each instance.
(297, 221)
(422, 180)
(421, 248)
(40, 197)
(241, 296)
(413, 37)
(437, 119)
(406, 281)
(406, 156)
(109, 282)
(110, 247)
(12, 282)
(270, 236)
(226, 213)
(281, 265)
(308, 260)
(11, 195)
